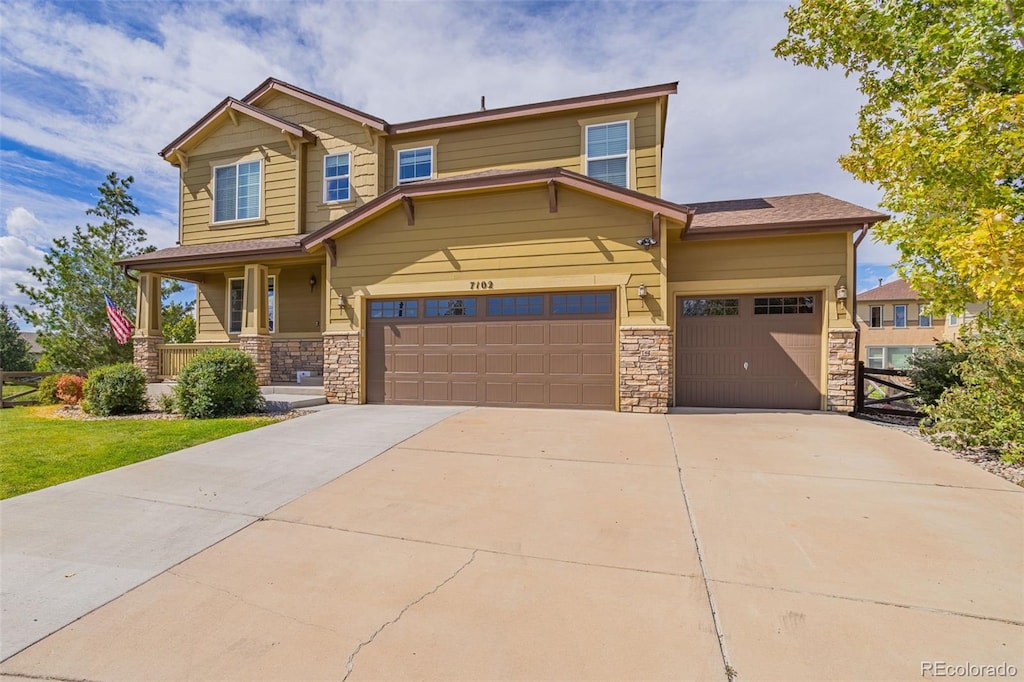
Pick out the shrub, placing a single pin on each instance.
(115, 389)
(218, 383)
(69, 389)
(987, 409)
(933, 371)
(165, 402)
(47, 394)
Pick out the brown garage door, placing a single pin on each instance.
(538, 350)
(749, 351)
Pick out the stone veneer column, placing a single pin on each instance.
(146, 356)
(257, 346)
(842, 370)
(341, 368)
(645, 368)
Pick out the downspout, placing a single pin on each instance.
(129, 275)
(852, 298)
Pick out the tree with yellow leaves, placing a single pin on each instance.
(941, 133)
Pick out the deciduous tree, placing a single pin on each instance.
(941, 133)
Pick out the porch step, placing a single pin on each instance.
(292, 389)
(284, 397)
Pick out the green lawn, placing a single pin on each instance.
(37, 450)
(11, 389)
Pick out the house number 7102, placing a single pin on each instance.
(481, 285)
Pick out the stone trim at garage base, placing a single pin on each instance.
(645, 368)
(341, 368)
(842, 370)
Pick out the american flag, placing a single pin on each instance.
(118, 322)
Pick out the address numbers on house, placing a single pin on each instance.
(486, 284)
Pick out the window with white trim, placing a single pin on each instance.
(953, 320)
(337, 168)
(415, 164)
(876, 317)
(236, 191)
(876, 357)
(923, 318)
(236, 304)
(899, 316)
(608, 152)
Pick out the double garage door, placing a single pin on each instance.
(749, 351)
(538, 350)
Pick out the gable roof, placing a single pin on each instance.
(275, 85)
(788, 213)
(897, 290)
(496, 179)
(231, 104)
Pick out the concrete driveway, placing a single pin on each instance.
(522, 544)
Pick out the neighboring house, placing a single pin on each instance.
(35, 351)
(521, 256)
(895, 324)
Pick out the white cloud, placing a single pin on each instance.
(20, 222)
(744, 123)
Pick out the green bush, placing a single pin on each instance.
(115, 389)
(47, 394)
(987, 409)
(165, 402)
(218, 383)
(933, 371)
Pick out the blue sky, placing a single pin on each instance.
(92, 87)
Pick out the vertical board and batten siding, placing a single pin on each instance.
(762, 259)
(508, 238)
(230, 144)
(337, 135)
(536, 142)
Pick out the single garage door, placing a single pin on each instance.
(537, 350)
(749, 351)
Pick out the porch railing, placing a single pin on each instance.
(174, 356)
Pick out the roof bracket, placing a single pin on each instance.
(233, 115)
(690, 212)
(332, 252)
(410, 209)
(552, 197)
(182, 159)
(291, 140)
(655, 228)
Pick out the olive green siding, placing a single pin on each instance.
(506, 238)
(538, 142)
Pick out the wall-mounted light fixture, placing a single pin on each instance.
(841, 294)
(646, 242)
(312, 283)
(641, 291)
(341, 302)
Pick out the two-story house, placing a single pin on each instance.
(895, 323)
(521, 256)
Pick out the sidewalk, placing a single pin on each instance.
(66, 550)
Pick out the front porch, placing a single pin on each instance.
(273, 313)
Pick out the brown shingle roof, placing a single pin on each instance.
(897, 290)
(271, 246)
(779, 212)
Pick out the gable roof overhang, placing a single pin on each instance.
(537, 109)
(275, 85)
(495, 180)
(269, 248)
(229, 106)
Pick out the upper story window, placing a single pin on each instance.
(876, 316)
(608, 152)
(953, 320)
(415, 164)
(336, 177)
(236, 191)
(899, 316)
(923, 318)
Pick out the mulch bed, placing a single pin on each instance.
(986, 458)
(76, 412)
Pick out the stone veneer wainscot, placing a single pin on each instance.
(645, 368)
(146, 356)
(257, 346)
(842, 370)
(341, 368)
(288, 356)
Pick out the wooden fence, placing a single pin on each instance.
(174, 356)
(30, 380)
(885, 391)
